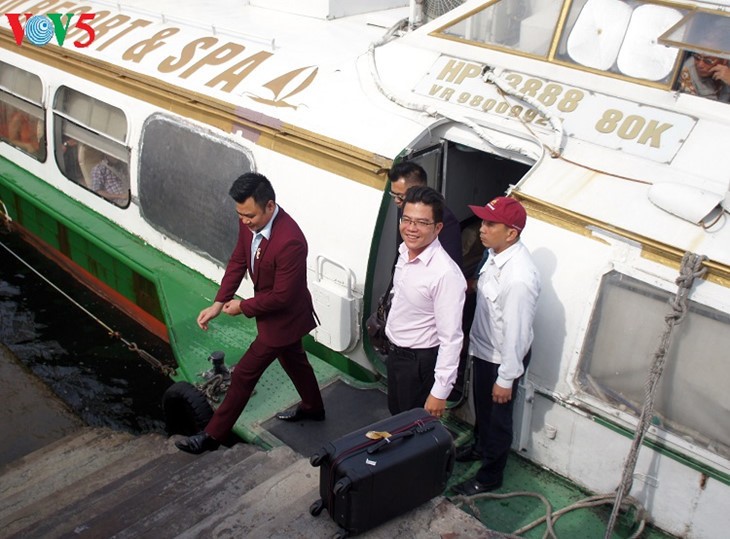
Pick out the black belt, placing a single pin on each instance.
(413, 353)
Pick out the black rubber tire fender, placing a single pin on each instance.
(186, 409)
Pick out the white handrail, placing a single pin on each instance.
(321, 260)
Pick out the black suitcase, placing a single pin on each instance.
(364, 481)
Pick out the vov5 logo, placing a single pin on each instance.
(39, 29)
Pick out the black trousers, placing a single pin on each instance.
(493, 421)
(410, 377)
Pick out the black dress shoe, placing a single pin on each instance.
(197, 443)
(300, 415)
(468, 453)
(470, 487)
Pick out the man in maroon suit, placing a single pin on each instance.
(272, 248)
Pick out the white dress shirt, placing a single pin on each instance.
(260, 235)
(426, 311)
(507, 292)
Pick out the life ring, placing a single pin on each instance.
(186, 409)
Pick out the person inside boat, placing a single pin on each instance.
(23, 132)
(273, 250)
(500, 338)
(705, 76)
(423, 361)
(71, 166)
(407, 174)
(108, 179)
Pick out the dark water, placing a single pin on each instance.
(97, 376)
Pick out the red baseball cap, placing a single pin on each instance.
(504, 210)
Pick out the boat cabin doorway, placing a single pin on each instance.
(464, 175)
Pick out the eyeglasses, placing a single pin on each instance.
(418, 223)
(398, 196)
(711, 61)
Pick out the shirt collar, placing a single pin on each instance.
(425, 256)
(501, 259)
(266, 231)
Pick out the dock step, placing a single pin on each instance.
(102, 483)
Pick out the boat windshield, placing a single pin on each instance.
(616, 37)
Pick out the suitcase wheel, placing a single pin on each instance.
(317, 459)
(316, 508)
(341, 534)
(342, 486)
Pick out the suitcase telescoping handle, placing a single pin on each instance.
(389, 440)
(385, 442)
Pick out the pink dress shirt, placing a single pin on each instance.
(428, 302)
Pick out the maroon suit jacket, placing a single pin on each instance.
(282, 304)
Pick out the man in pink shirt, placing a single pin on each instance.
(424, 323)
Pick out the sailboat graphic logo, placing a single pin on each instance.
(286, 86)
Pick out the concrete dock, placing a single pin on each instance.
(62, 479)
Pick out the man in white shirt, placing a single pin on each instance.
(424, 322)
(501, 336)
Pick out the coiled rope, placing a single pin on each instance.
(143, 354)
(690, 269)
(550, 517)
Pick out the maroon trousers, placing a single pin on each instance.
(246, 375)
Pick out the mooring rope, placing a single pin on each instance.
(690, 269)
(215, 387)
(146, 356)
(550, 517)
(6, 220)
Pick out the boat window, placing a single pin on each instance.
(185, 173)
(90, 145)
(91, 113)
(522, 25)
(598, 33)
(640, 56)
(705, 39)
(22, 117)
(624, 332)
(618, 37)
(621, 37)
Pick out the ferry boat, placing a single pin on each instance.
(574, 107)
